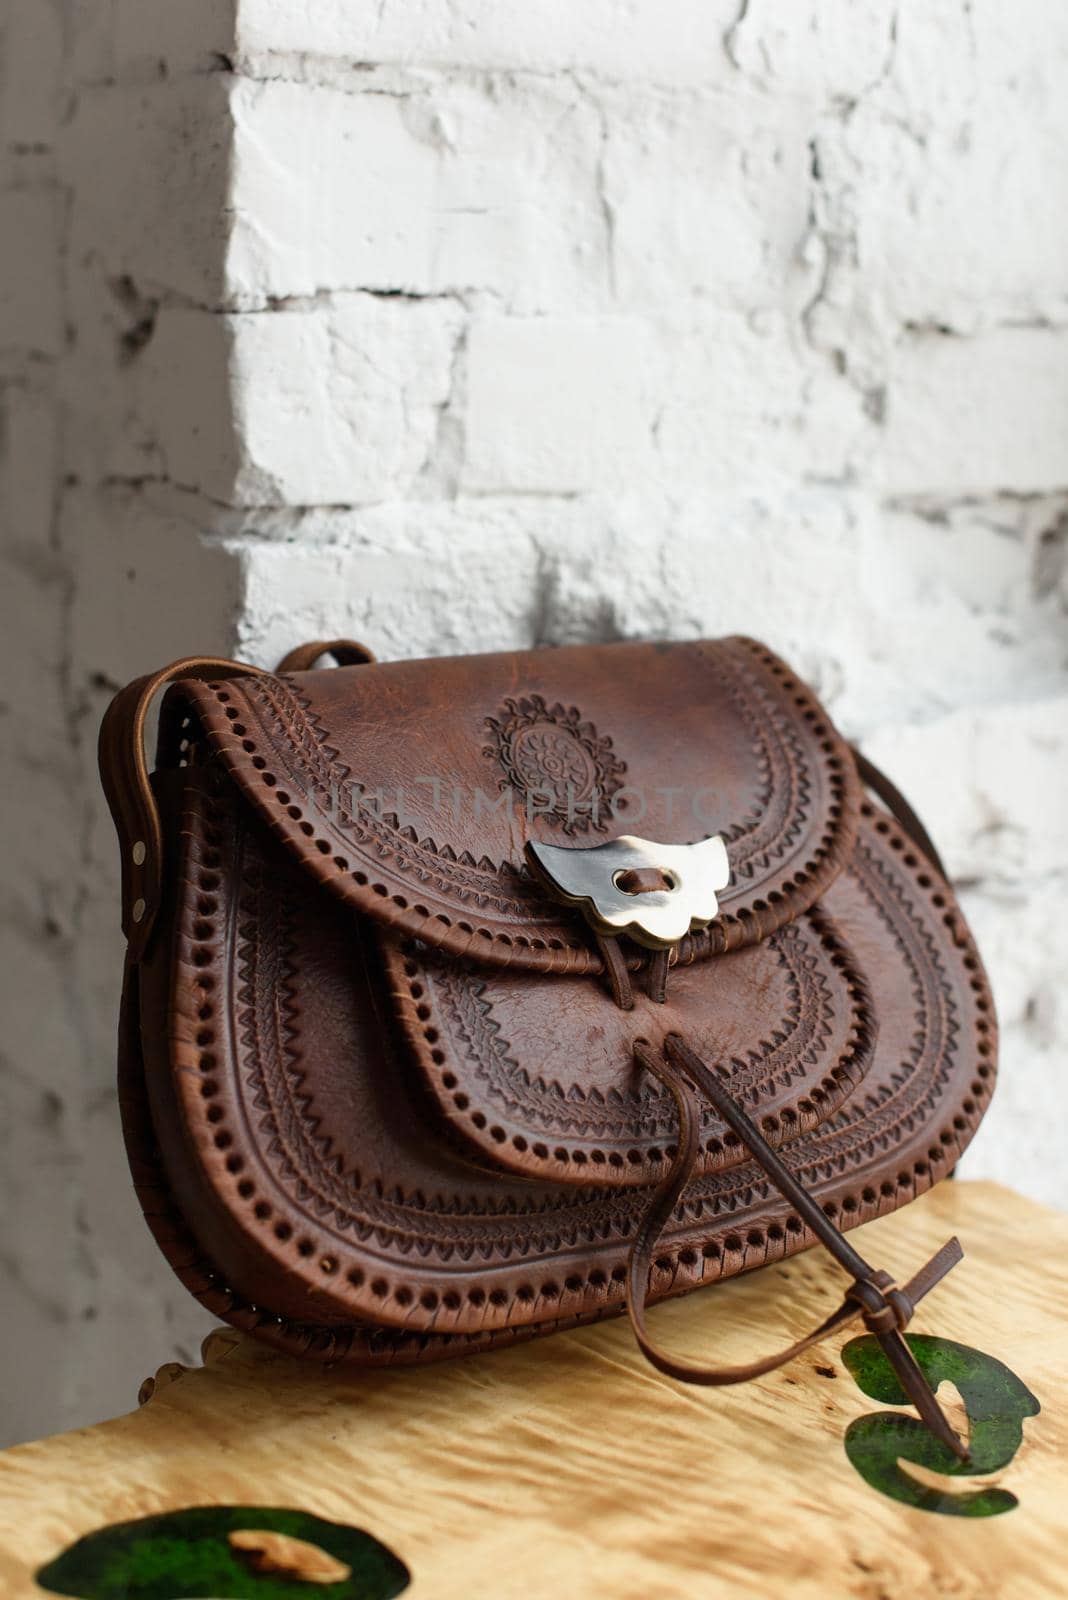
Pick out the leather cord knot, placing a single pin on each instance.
(883, 1304)
(873, 1294)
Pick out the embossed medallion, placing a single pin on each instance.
(563, 768)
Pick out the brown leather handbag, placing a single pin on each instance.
(469, 999)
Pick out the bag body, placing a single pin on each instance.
(389, 1096)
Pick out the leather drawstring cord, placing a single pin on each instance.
(873, 1296)
(615, 970)
(617, 973)
(656, 976)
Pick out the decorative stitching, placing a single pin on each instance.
(682, 1265)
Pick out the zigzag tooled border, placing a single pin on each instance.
(683, 1263)
(648, 1111)
(757, 840)
(554, 945)
(369, 1211)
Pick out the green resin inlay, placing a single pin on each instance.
(996, 1402)
(184, 1554)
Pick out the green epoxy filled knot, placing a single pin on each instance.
(181, 1555)
(996, 1402)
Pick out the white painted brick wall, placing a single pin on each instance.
(462, 324)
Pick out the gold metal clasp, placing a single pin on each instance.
(607, 882)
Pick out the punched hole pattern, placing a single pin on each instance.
(683, 1261)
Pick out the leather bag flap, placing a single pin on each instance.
(542, 1079)
(409, 789)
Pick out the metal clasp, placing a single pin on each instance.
(595, 880)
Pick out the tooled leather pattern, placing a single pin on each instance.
(786, 786)
(872, 1123)
(781, 813)
(797, 1042)
(269, 1034)
(387, 1252)
(267, 1023)
(290, 724)
(549, 751)
(271, 1065)
(288, 711)
(878, 1120)
(551, 1219)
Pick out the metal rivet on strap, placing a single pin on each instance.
(139, 852)
(138, 910)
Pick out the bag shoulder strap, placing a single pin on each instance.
(124, 774)
(124, 769)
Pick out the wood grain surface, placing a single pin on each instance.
(568, 1467)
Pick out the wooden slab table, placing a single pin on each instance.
(568, 1467)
